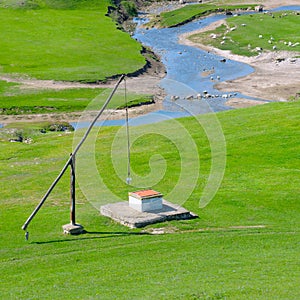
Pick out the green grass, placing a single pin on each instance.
(191, 12)
(277, 29)
(69, 40)
(55, 4)
(217, 256)
(17, 101)
(260, 187)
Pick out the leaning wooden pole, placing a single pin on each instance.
(71, 160)
(72, 192)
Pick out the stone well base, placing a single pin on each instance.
(122, 213)
(73, 229)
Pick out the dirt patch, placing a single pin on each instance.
(169, 229)
(207, 73)
(108, 114)
(269, 4)
(243, 103)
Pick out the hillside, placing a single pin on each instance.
(243, 245)
(64, 40)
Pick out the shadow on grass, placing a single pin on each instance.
(98, 235)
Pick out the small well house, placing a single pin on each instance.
(146, 200)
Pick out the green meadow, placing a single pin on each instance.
(190, 12)
(64, 40)
(243, 34)
(17, 101)
(244, 245)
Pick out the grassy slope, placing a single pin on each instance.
(277, 29)
(15, 101)
(261, 186)
(64, 41)
(190, 12)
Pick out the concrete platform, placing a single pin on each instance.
(122, 213)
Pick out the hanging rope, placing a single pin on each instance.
(128, 179)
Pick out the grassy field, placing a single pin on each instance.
(273, 32)
(191, 12)
(64, 40)
(17, 101)
(217, 256)
(245, 243)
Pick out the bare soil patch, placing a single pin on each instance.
(243, 103)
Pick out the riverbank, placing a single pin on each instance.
(276, 76)
(108, 114)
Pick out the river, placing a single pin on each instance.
(185, 66)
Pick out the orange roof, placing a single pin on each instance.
(146, 194)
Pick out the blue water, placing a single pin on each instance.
(184, 64)
(289, 7)
(150, 118)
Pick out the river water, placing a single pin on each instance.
(185, 65)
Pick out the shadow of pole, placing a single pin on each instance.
(98, 235)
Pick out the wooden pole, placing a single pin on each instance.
(25, 225)
(72, 190)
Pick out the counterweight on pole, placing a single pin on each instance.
(70, 160)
